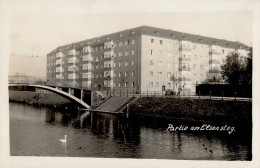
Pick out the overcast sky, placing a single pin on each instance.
(38, 32)
(38, 27)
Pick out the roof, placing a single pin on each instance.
(153, 31)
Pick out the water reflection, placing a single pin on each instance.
(104, 135)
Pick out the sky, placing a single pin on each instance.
(38, 34)
(38, 28)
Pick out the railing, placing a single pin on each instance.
(214, 53)
(214, 71)
(214, 61)
(184, 59)
(236, 96)
(184, 79)
(184, 69)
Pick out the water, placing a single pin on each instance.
(36, 131)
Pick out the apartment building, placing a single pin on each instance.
(141, 59)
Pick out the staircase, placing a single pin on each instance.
(114, 104)
(123, 106)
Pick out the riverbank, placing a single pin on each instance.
(28, 97)
(234, 112)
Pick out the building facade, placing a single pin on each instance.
(141, 59)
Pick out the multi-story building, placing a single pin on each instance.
(141, 59)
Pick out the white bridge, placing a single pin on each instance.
(61, 93)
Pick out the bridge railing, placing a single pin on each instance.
(182, 94)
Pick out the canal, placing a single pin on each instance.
(36, 131)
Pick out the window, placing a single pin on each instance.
(133, 41)
(119, 84)
(85, 49)
(169, 85)
(133, 52)
(161, 42)
(85, 58)
(201, 66)
(223, 51)
(132, 84)
(168, 74)
(114, 85)
(133, 63)
(152, 40)
(151, 52)
(120, 54)
(126, 74)
(127, 42)
(85, 66)
(119, 74)
(151, 73)
(126, 84)
(126, 63)
(150, 84)
(133, 73)
(151, 62)
(107, 64)
(126, 53)
(160, 74)
(120, 44)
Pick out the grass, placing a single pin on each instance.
(192, 109)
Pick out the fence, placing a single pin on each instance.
(163, 94)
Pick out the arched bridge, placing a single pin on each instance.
(62, 92)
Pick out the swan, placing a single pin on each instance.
(64, 140)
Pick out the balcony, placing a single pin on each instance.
(184, 79)
(214, 53)
(214, 61)
(184, 69)
(107, 49)
(184, 59)
(214, 71)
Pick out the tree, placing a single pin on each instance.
(247, 73)
(235, 71)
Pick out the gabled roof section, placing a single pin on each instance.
(153, 31)
(167, 33)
